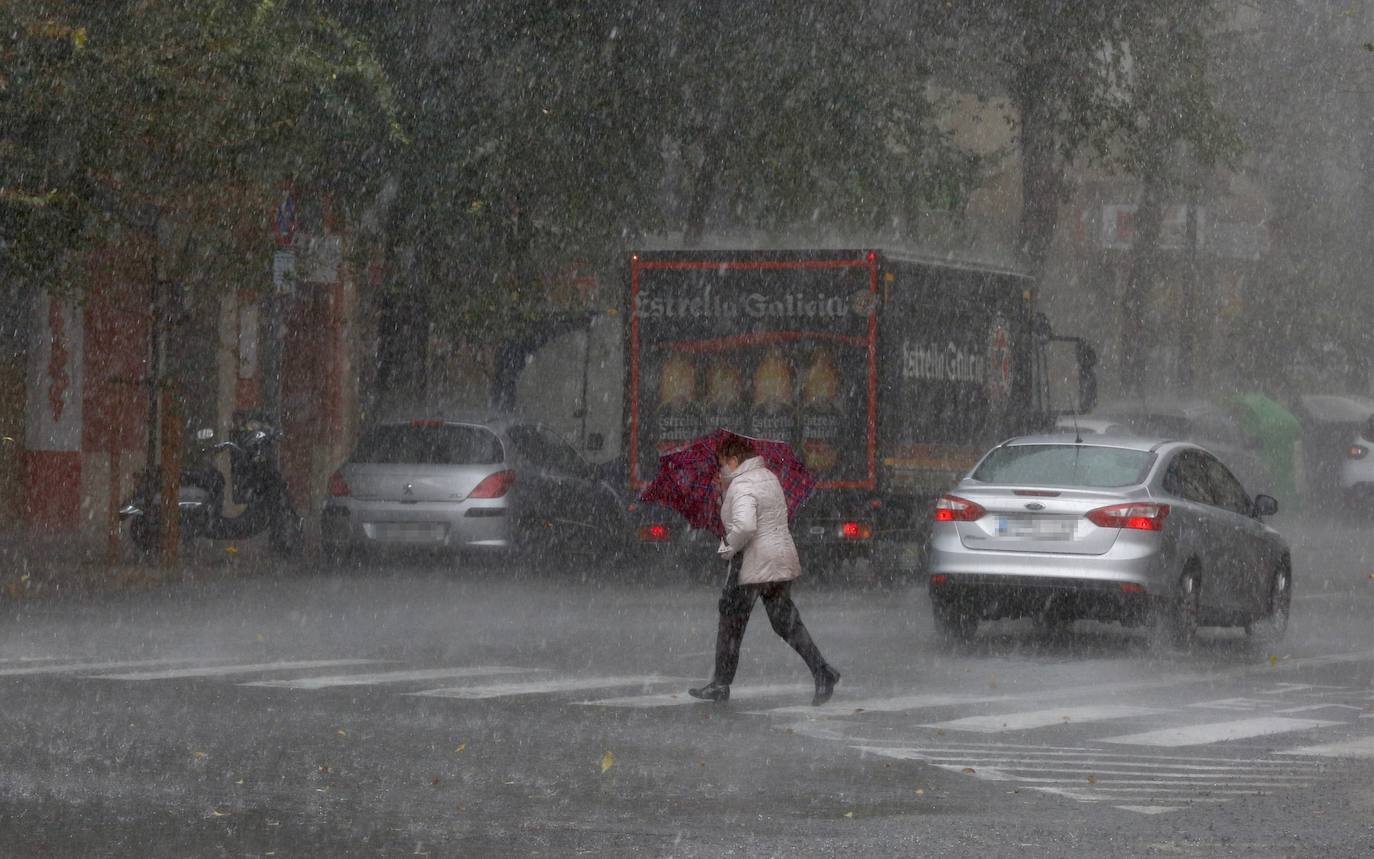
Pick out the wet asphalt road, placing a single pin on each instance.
(423, 707)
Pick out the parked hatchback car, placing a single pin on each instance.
(1116, 529)
(496, 485)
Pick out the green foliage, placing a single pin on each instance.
(131, 114)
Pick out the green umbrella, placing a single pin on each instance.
(1277, 431)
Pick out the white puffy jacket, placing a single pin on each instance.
(754, 513)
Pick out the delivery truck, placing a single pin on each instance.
(889, 374)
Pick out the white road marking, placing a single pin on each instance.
(998, 752)
(898, 704)
(389, 677)
(1219, 732)
(1042, 718)
(79, 667)
(1148, 809)
(1361, 748)
(676, 699)
(225, 670)
(568, 684)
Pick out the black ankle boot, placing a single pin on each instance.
(712, 691)
(826, 679)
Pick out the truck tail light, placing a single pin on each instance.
(1140, 516)
(856, 531)
(952, 508)
(655, 533)
(1356, 451)
(338, 487)
(494, 485)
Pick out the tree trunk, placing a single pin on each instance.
(1042, 176)
(1149, 223)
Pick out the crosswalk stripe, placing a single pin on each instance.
(1361, 747)
(79, 667)
(1219, 732)
(896, 704)
(225, 670)
(569, 684)
(389, 677)
(1042, 718)
(675, 699)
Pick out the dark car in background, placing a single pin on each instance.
(496, 485)
(1337, 437)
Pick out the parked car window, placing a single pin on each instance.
(1186, 478)
(1064, 465)
(428, 444)
(1226, 489)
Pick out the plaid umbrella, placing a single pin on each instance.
(686, 479)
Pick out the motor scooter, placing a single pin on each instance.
(257, 484)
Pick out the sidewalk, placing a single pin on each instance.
(55, 565)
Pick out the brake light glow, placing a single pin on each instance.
(1356, 451)
(494, 485)
(655, 533)
(1132, 588)
(1138, 516)
(338, 487)
(952, 508)
(856, 531)
(939, 579)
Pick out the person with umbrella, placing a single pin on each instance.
(763, 563)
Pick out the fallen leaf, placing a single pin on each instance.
(435, 781)
(968, 771)
(607, 761)
(920, 791)
(200, 756)
(849, 814)
(1092, 779)
(462, 747)
(324, 769)
(231, 550)
(341, 733)
(215, 812)
(858, 709)
(1273, 660)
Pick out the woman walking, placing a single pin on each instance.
(763, 563)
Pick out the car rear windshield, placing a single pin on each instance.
(1064, 465)
(428, 444)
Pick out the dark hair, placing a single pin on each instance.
(736, 446)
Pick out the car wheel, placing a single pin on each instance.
(1177, 618)
(955, 623)
(1273, 624)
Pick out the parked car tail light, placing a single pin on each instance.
(338, 487)
(1138, 517)
(494, 485)
(655, 533)
(952, 508)
(856, 531)
(1356, 451)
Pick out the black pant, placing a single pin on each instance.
(736, 604)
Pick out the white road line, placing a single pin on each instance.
(79, 667)
(995, 752)
(1361, 748)
(999, 774)
(225, 670)
(568, 684)
(1219, 732)
(1042, 764)
(389, 677)
(677, 699)
(1148, 809)
(899, 704)
(1042, 718)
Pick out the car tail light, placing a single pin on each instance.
(1356, 451)
(494, 485)
(1138, 516)
(1132, 588)
(939, 579)
(338, 487)
(655, 533)
(952, 508)
(856, 531)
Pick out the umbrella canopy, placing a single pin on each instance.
(686, 478)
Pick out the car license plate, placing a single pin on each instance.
(817, 531)
(1035, 528)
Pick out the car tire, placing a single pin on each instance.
(1273, 624)
(954, 623)
(1176, 618)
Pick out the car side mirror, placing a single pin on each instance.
(1266, 505)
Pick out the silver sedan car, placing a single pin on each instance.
(494, 485)
(1133, 530)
